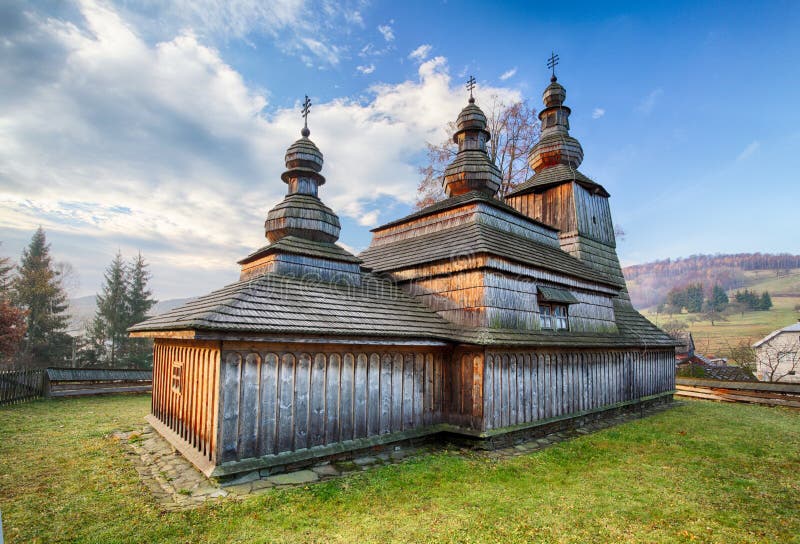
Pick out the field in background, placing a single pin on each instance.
(713, 340)
(701, 472)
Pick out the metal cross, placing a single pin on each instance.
(470, 85)
(306, 109)
(552, 62)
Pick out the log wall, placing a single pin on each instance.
(277, 399)
(185, 391)
(527, 386)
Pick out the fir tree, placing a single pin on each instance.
(108, 333)
(37, 289)
(140, 301)
(719, 299)
(765, 302)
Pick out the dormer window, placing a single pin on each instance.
(554, 308)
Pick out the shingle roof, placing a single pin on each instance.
(553, 176)
(302, 246)
(634, 330)
(472, 239)
(281, 304)
(457, 201)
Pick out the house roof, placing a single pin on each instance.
(554, 175)
(472, 239)
(458, 201)
(282, 304)
(794, 327)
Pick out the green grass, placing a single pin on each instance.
(716, 339)
(701, 472)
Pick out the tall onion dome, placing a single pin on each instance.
(302, 213)
(471, 170)
(555, 146)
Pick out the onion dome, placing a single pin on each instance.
(302, 213)
(555, 146)
(471, 170)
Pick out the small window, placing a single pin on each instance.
(554, 316)
(792, 373)
(546, 316)
(177, 377)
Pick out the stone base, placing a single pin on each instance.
(510, 436)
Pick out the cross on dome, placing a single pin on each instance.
(552, 62)
(305, 111)
(470, 86)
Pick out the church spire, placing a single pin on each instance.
(302, 213)
(471, 170)
(555, 146)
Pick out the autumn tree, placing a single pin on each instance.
(514, 130)
(12, 318)
(38, 290)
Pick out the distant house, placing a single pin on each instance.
(778, 355)
(689, 363)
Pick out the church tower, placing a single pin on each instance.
(559, 195)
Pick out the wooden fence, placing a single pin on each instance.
(773, 394)
(20, 385)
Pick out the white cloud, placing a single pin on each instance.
(366, 69)
(648, 102)
(289, 22)
(387, 32)
(508, 74)
(597, 113)
(421, 53)
(113, 142)
(751, 148)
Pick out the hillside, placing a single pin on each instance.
(649, 283)
(738, 329)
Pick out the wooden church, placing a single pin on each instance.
(478, 317)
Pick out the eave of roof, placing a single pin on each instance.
(556, 175)
(476, 238)
(462, 200)
(301, 246)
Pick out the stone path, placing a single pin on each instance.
(177, 485)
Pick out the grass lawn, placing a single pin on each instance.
(702, 472)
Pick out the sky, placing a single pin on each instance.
(160, 127)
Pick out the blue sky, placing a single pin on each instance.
(141, 125)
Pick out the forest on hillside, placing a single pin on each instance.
(649, 283)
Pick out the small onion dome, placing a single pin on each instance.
(303, 159)
(471, 170)
(471, 118)
(553, 149)
(554, 95)
(304, 216)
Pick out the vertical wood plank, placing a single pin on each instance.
(286, 403)
(269, 406)
(408, 391)
(230, 405)
(374, 395)
(360, 396)
(249, 405)
(397, 392)
(317, 416)
(386, 394)
(332, 398)
(302, 383)
(346, 403)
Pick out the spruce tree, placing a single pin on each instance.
(108, 330)
(719, 298)
(37, 289)
(140, 350)
(765, 302)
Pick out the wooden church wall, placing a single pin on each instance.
(594, 216)
(277, 399)
(185, 392)
(528, 386)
